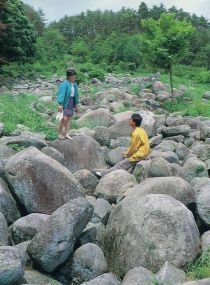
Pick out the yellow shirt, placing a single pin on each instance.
(139, 145)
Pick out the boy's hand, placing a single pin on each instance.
(60, 108)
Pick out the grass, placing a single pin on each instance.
(200, 268)
(17, 110)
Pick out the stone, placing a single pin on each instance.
(206, 95)
(141, 170)
(33, 277)
(199, 182)
(205, 133)
(183, 130)
(206, 241)
(21, 248)
(4, 233)
(170, 275)
(102, 210)
(203, 204)
(110, 186)
(54, 153)
(1, 129)
(166, 145)
(116, 155)
(194, 167)
(170, 156)
(99, 117)
(40, 183)
(138, 276)
(11, 269)
(6, 152)
(159, 167)
(154, 141)
(182, 151)
(163, 96)
(27, 227)
(175, 187)
(120, 142)
(87, 179)
(8, 205)
(54, 243)
(173, 234)
(105, 279)
(198, 282)
(102, 135)
(159, 86)
(87, 263)
(81, 153)
(93, 233)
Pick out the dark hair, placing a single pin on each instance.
(137, 119)
(70, 72)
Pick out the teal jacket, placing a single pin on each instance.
(64, 93)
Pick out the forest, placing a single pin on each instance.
(97, 42)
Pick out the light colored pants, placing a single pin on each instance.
(123, 164)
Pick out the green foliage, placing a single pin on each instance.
(17, 110)
(200, 268)
(18, 40)
(36, 18)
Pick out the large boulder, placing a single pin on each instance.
(87, 263)
(114, 184)
(8, 205)
(40, 183)
(176, 187)
(87, 179)
(168, 274)
(99, 117)
(4, 233)
(34, 277)
(203, 204)
(11, 268)
(122, 129)
(105, 279)
(81, 153)
(170, 156)
(26, 228)
(139, 276)
(6, 152)
(54, 153)
(159, 167)
(116, 155)
(183, 130)
(194, 167)
(170, 226)
(54, 243)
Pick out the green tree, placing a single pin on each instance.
(165, 42)
(51, 46)
(18, 41)
(36, 18)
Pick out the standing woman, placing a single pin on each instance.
(68, 100)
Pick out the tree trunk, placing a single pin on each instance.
(171, 82)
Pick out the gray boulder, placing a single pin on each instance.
(102, 210)
(170, 275)
(81, 153)
(182, 130)
(159, 167)
(114, 184)
(182, 151)
(203, 204)
(87, 263)
(6, 152)
(159, 86)
(173, 234)
(176, 187)
(11, 269)
(21, 248)
(54, 153)
(116, 155)
(8, 205)
(93, 233)
(105, 279)
(87, 179)
(206, 95)
(205, 133)
(99, 117)
(166, 145)
(194, 167)
(199, 182)
(198, 282)
(206, 241)
(33, 277)
(4, 233)
(102, 135)
(139, 276)
(26, 228)
(54, 243)
(40, 183)
(167, 155)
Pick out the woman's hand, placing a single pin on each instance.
(60, 108)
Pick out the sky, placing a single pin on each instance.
(56, 9)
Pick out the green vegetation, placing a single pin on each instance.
(200, 268)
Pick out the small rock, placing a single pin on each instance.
(54, 153)
(87, 179)
(105, 279)
(168, 274)
(139, 275)
(4, 233)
